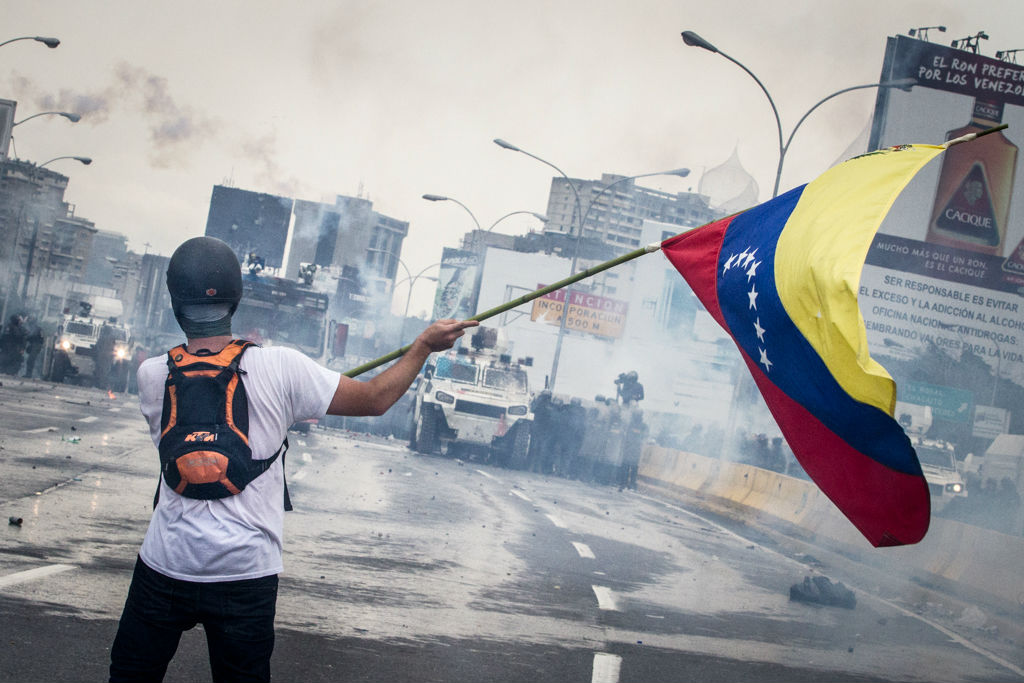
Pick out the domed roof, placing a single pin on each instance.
(729, 187)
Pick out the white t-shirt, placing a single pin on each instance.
(238, 537)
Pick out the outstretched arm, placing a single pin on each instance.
(373, 397)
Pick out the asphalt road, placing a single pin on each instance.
(400, 567)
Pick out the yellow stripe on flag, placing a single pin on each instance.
(821, 252)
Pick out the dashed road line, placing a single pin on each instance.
(557, 522)
(584, 550)
(38, 430)
(606, 668)
(521, 495)
(33, 574)
(486, 474)
(605, 598)
(90, 418)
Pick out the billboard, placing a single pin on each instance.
(456, 284)
(589, 313)
(7, 108)
(946, 270)
(251, 222)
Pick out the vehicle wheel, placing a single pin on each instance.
(520, 447)
(426, 433)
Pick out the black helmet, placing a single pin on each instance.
(204, 270)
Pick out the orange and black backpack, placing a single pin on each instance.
(204, 428)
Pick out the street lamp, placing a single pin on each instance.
(679, 172)
(48, 42)
(577, 214)
(904, 84)
(70, 116)
(442, 198)
(694, 40)
(82, 160)
(579, 206)
(539, 216)
(35, 232)
(412, 283)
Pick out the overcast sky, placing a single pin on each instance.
(392, 100)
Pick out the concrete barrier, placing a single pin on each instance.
(981, 563)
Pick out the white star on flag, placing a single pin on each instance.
(764, 360)
(752, 270)
(758, 330)
(752, 295)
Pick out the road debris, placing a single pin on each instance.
(820, 590)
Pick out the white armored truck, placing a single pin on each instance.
(92, 345)
(475, 402)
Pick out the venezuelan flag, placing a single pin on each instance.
(781, 279)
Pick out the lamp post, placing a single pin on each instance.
(575, 190)
(694, 40)
(478, 239)
(904, 84)
(35, 231)
(82, 160)
(48, 42)
(70, 116)
(442, 198)
(539, 216)
(679, 172)
(412, 282)
(392, 255)
(577, 215)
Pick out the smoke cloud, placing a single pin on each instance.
(175, 128)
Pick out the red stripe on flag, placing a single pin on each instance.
(888, 507)
(695, 256)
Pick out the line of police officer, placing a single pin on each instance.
(600, 441)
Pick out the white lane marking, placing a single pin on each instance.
(33, 574)
(584, 550)
(605, 598)
(557, 522)
(521, 495)
(306, 457)
(114, 409)
(991, 656)
(489, 476)
(91, 418)
(38, 430)
(606, 668)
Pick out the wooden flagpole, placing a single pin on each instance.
(526, 298)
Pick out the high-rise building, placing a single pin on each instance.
(251, 222)
(615, 207)
(346, 233)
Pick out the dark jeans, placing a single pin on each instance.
(238, 617)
